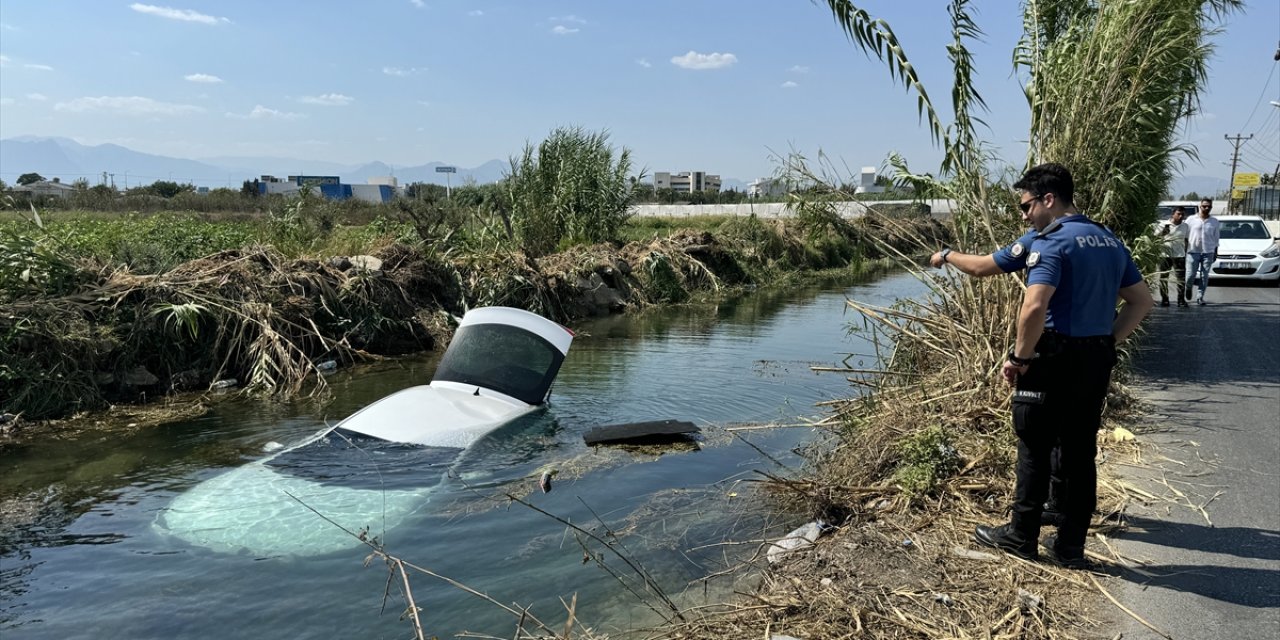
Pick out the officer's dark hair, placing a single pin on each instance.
(1049, 177)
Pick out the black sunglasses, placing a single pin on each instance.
(1026, 206)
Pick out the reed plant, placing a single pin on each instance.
(570, 189)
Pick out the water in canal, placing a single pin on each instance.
(82, 553)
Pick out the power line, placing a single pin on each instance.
(1261, 96)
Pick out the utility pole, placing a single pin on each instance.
(1235, 159)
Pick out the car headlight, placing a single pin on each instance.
(1272, 251)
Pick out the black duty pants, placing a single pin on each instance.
(1175, 268)
(1058, 403)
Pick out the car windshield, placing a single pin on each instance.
(1244, 230)
(503, 358)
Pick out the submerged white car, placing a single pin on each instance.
(1246, 250)
(380, 465)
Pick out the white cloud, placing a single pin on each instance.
(4, 102)
(424, 103)
(695, 60)
(38, 67)
(39, 97)
(475, 13)
(260, 112)
(328, 100)
(418, 3)
(129, 105)
(4, 60)
(562, 30)
(644, 63)
(185, 15)
(401, 72)
(8, 27)
(202, 77)
(569, 18)
(799, 69)
(789, 85)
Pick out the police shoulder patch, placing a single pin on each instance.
(1033, 258)
(1017, 249)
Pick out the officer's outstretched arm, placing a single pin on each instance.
(979, 266)
(1137, 304)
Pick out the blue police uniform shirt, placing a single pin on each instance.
(1014, 256)
(1088, 266)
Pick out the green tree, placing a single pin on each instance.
(168, 188)
(1191, 196)
(29, 178)
(570, 188)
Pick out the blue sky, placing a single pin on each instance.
(714, 85)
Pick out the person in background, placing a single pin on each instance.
(1061, 362)
(1203, 232)
(1174, 265)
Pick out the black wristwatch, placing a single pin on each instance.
(946, 251)
(1021, 362)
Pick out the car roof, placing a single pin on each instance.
(1224, 218)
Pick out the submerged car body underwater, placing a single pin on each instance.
(378, 466)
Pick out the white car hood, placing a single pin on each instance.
(1249, 246)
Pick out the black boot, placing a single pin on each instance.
(1063, 556)
(1007, 538)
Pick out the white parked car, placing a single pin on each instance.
(1247, 250)
(380, 465)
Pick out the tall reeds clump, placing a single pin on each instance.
(571, 188)
(1108, 85)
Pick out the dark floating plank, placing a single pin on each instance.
(654, 432)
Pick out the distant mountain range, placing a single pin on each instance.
(69, 160)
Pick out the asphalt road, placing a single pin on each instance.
(1212, 377)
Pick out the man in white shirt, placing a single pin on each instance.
(1203, 232)
(1173, 233)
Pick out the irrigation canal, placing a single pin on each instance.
(82, 553)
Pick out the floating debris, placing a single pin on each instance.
(654, 432)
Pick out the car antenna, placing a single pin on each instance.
(477, 392)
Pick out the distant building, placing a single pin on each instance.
(761, 187)
(330, 187)
(51, 188)
(867, 181)
(687, 181)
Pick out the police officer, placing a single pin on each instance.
(1007, 259)
(1061, 362)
